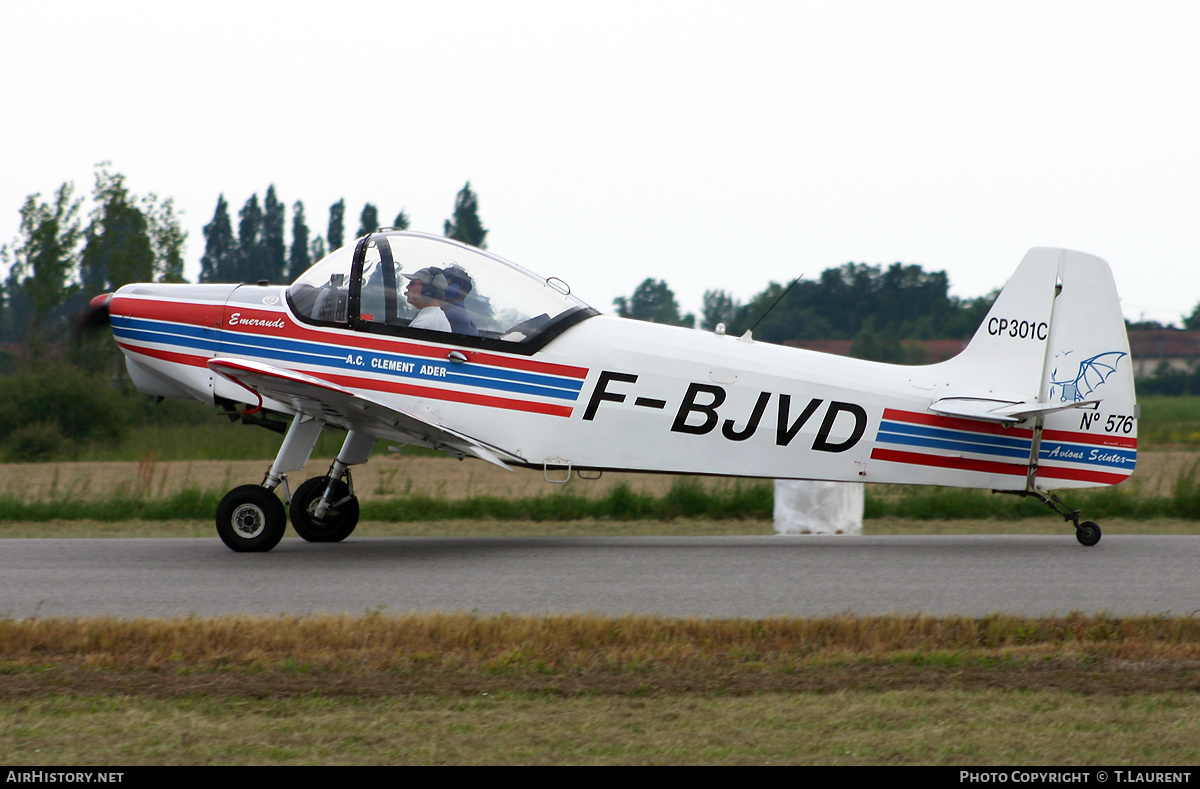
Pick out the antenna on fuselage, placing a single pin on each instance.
(786, 291)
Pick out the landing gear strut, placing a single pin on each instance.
(325, 509)
(1088, 532)
(340, 510)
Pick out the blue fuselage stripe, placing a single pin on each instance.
(348, 359)
(957, 443)
(928, 437)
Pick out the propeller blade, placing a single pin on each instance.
(95, 316)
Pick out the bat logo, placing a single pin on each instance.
(1090, 374)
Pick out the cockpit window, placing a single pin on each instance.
(322, 294)
(411, 284)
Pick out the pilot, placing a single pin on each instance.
(427, 292)
(458, 287)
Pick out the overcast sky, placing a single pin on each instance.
(710, 144)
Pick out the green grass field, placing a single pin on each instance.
(584, 689)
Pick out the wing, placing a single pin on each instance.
(346, 409)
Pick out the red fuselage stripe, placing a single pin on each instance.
(169, 356)
(212, 316)
(944, 461)
(471, 398)
(954, 423)
(992, 467)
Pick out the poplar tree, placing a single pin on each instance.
(274, 247)
(220, 253)
(466, 225)
(368, 221)
(251, 260)
(317, 249)
(337, 225)
(298, 259)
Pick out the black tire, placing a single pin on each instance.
(1088, 533)
(338, 522)
(251, 519)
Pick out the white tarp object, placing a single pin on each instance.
(811, 507)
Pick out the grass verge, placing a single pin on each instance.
(583, 689)
(686, 498)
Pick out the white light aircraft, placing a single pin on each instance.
(416, 339)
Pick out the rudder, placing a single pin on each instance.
(1087, 360)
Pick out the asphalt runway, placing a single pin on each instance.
(673, 576)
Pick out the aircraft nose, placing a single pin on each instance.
(96, 313)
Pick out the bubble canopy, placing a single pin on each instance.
(429, 287)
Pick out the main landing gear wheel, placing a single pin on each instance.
(339, 520)
(1088, 533)
(251, 519)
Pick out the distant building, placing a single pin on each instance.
(1179, 350)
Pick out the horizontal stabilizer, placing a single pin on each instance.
(1003, 412)
(349, 410)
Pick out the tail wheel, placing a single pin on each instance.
(1088, 533)
(339, 520)
(251, 519)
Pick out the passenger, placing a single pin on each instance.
(427, 291)
(458, 287)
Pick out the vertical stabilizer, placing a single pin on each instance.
(1005, 360)
(1051, 361)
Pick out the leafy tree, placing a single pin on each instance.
(777, 314)
(1170, 381)
(886, 346)
(49, 409)
(653, 301)
(466, 225)
(1192, 322)
(337, 225)
(298, 259)
(129, 239)
(401, 222)
(274, 247)
(117, 249)
(16, 311)
(219, 262)
(718, 307)
(368, 221)
(968, 314)
(902, 301)
(43, 259)
(168, 240)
